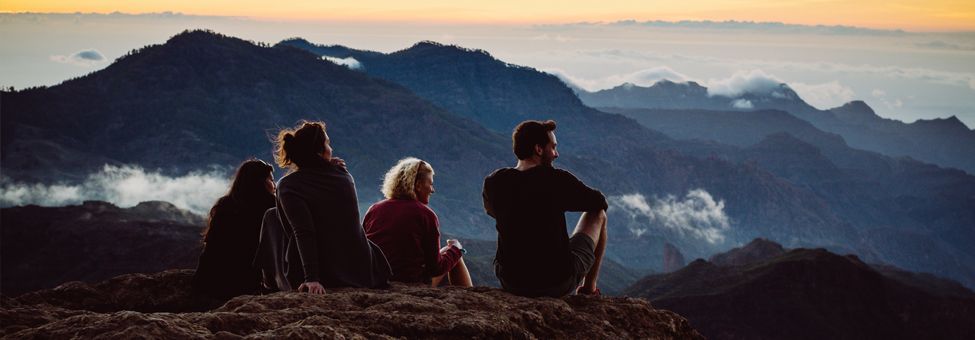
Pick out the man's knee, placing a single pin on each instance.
(601, 216)
(591, 223)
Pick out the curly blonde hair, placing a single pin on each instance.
(400, 181)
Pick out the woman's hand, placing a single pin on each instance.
(337, 162)
(312, 287)
(455, 243)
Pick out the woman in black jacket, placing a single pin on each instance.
(233, 230)
(317, 204)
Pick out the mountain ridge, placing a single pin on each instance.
(859, 125)
(804, 294)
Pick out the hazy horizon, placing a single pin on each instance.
(903, 75)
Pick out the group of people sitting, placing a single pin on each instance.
(305, 234)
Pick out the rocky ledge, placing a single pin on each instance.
(158, 306)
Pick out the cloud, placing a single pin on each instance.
(890, 104)
(697, 214)
(123, 186)
(734, 25)
(81, 58)
(744, 104)
(651, 76)
(644, 77)
(349, 62)
(824, 96)
(971, 83)
(754, 81)
(941, 45)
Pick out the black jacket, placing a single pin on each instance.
(225, 269)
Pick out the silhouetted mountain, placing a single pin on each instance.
(877, 194)
(946, 142)
(663, 94)
(756, 251)
(203, 100)
(841, 180)
(765, 292)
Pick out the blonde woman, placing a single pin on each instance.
(408, 231)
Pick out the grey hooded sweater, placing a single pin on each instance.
(320, 208)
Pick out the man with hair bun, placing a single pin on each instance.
(535, 256)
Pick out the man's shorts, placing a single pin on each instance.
(582, 255)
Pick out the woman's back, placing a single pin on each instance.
(225, 268)
(408, 233)
(320, 206)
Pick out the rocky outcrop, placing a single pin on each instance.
(673, 258)
(42, 247)
(809, 294)
(158, 305)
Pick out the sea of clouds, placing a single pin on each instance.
(124, 186)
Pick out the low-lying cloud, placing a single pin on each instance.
(349, 62)
(123, 186)
(743, 104)
(754, 81)
(81, 58)
(697, 214)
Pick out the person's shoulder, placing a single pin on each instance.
(224, 204)
(561, 172)
(501, 173)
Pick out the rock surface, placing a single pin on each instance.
(158, 305)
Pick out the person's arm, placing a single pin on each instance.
(486, 197)
(298, 215)
(438, 261)
(573, 195)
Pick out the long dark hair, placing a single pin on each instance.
(247, 192)
(301, 146)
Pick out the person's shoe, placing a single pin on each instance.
(594, 292)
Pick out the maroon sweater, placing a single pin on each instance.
(408, 232)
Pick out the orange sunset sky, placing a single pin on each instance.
(929, 15)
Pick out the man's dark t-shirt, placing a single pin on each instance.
(529, 208)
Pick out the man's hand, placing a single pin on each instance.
(312, 287)
(337, 162)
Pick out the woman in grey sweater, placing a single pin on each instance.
(317, 204)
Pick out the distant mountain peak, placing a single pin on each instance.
(858, 105)
(950, 123)
(197, 35)
(856, 112)
(298, 40)
(430, 46)
(757, 250)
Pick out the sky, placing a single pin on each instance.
(913, 15)
(908, 60)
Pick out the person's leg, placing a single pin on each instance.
(436, 280)
(459, 276)
(593, 225)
